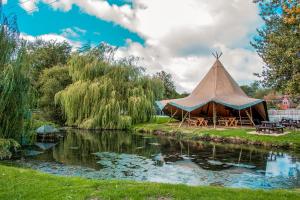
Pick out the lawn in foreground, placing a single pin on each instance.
(18, 183)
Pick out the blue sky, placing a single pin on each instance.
(47, 20)
(176, 36)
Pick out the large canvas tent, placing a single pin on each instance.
(217, 95)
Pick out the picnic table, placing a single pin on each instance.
(290, 123)
(192, 122)
(269, 127)
(223, 122)
(202, 121)
(230, 121)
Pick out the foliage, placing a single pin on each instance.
(161, 119)
(6, 145)
(51, 81)
(29, 181)
(107, 94)
(46, 54)
(278, 44)
(255, 90)
(169, 87)
(14, 82)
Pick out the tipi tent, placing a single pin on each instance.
(217, 95)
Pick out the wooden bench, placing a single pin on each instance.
(223, 122)
(192, 122)
(245, 122)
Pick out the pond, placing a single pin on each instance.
(123, 155)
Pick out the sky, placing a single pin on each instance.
(177, 36)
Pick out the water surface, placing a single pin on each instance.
(123, 155)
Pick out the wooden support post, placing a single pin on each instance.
(183, 118)
(250, 118)
(214, 115)
(172, 116)
(240, 118)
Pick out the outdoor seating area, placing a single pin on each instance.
(197, 121)
(216, 101)
(277, 127)
(221, 121)
(269, 127)
(290, 123)
(228, 122)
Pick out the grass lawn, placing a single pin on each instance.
(18, 183)
(192, 133)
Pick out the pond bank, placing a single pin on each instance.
(230, 135)
(26, 183)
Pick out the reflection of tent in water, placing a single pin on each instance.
(217, 95)
(45, 146)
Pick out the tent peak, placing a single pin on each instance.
(217, 54)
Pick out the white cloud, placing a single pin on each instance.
(180, 35)
(29, 6)
(80, 30)
(4, 2)
(179, 40)
(51, 36)
(74, 32)
(69, 32)
(188, 70)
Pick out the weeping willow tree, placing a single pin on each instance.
(106, 94)
(14, 81)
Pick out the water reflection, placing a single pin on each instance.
(121, 155)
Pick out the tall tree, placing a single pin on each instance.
(169, 86)
(46, 54)
(14, 81)
(51, 81)
(278, 44)
(107, 95)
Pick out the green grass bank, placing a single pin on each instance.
(163, 126)
(18, 183)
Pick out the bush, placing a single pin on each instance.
(6, 148)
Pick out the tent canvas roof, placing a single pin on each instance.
(217, 86)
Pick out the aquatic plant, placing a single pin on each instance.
(107, 94)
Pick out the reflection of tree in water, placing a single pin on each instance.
(215, 157)
(78, 146)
